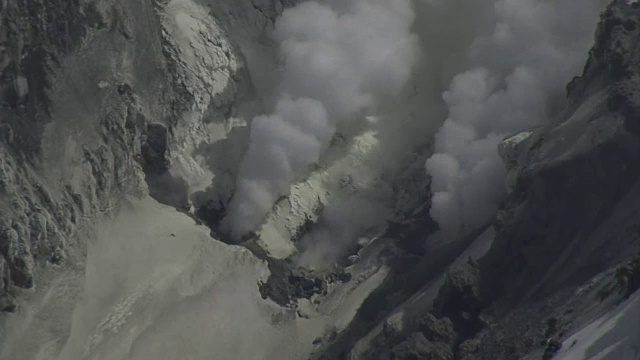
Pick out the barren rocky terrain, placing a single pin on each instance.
(124, 126)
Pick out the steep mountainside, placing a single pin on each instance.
(566, 237)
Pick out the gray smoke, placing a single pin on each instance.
(343, 221)
(339, 58)
(515, 81)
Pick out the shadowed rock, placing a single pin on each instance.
(417, 347)
(459, 299)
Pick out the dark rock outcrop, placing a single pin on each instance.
(41, 218)
(628, 276)
(572, 175)
(437, 330)
(394, 330)
(569, 215)
(15, 248)
(6, 300)
(460, 301)
(287, 284)
(34, 36)
(553, 346)
(163, 186)
(417, 347)
(571, 211)
(468, 349)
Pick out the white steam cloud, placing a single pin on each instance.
(343, 221)
(516, 81)
(339, 59)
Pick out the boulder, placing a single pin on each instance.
(16, 250)
(437, 330)
(7, 303)
(468, 349)
(459, 299)
(417, 347)
(393, 328)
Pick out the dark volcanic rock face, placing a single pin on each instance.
(570, 214)
(288, 284)
(417, 347)
(163, 186)
(34, 35)
(573, 176)
(628, 276)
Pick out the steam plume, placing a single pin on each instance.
(516, 81)
(339, 59)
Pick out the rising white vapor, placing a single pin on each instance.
(339, 59)
(516, 81)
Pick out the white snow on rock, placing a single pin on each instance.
(203, 51)
(509, 147)
(511, 151)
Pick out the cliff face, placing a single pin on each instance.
(569, 215)
(569, 223)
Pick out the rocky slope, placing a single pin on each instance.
(98, 100)
(566, 234)
(570, 218)
(103, 100)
